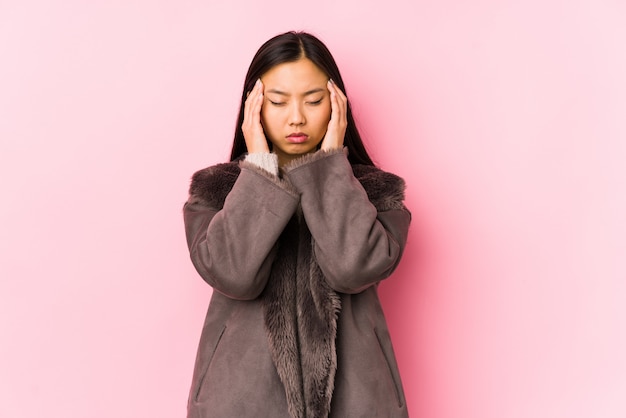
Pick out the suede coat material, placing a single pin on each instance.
(295, 327)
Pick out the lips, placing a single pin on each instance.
(297, 137)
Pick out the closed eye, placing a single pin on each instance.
(276, 103)
(315, 103)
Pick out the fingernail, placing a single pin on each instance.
(258, 81)
(330, 80)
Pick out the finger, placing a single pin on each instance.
(337, 90)
(258, 104)
(251, 101)
(334, 105)
(253, 93)
(246, 105)
(335, 132)
(338, 103)
(252, 127)
(342, 99)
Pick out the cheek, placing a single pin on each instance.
(322, 117)
(270, 121)
(267, 118)
(326, 110)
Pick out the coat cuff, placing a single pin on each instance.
(274, 178)
(313, 157)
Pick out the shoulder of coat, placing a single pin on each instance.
(211, 185)
(384, 189)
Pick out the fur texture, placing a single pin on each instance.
(300, 308)
(211, 185)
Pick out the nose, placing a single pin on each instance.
(296, 116)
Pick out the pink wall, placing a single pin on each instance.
(505, 117)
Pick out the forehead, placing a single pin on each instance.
(294, 77)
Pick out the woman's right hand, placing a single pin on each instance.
(251, 126)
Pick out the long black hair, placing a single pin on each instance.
(290, 47)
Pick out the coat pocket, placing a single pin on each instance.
(203, 376)
(384, 342)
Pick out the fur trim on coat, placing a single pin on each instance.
(300, 308)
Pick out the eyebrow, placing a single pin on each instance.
(282, 93)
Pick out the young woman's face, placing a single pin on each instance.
(296, 108)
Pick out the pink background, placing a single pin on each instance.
(506, 118)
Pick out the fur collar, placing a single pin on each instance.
(211, 185)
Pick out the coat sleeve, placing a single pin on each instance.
(356, 245)
(233, 247)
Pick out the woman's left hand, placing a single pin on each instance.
(338, 119)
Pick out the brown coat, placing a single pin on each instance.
(294, 327)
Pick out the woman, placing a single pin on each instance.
(294, 234)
